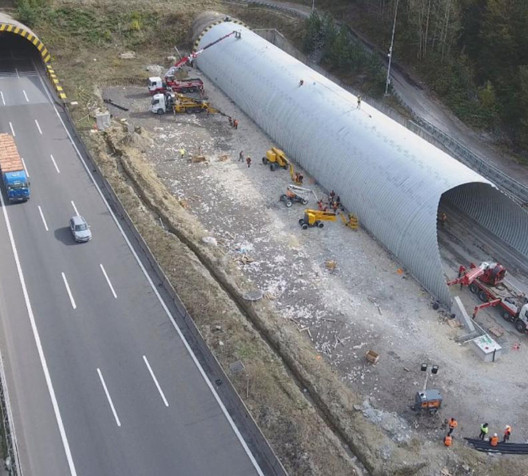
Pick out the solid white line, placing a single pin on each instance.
(109, 398)
(25, 168)
(108, 281)
(2, 96)
(165, 308)
(55, 163)
(156, 381)
(43, 219)
(12, 130)
(69, 292)
(38, 127)
(74, 208)
(25, 95)
(38, 343)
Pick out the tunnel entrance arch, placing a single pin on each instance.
(9, 26)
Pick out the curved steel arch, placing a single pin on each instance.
(391, 178)
(9, 25)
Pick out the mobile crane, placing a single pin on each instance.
(157, 85)
(488, 282)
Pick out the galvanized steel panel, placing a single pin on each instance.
(391, 178)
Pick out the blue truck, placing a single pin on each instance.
(14, 174)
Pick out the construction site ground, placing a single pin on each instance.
(339, 288)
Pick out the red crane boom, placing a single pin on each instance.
(189, 58)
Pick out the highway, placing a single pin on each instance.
(100, 380)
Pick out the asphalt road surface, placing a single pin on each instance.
(100, 380)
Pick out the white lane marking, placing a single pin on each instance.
(109, 398)
(55, 163)
(69, 291)
(155, 290)
(2, 96)
(156, 381)
(12, 130)
(74, 208)
(43, 219)
(38, 127)
(25, 95)
(108, 281)
(38, 343)
(25, 168)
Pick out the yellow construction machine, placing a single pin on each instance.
(276, 158)
(315, 218)
(169, 101)
(351, 221)
(190, 105)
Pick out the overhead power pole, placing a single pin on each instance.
(387, 83)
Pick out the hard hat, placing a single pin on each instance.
(495, 434)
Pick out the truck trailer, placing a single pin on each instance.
(12, 169)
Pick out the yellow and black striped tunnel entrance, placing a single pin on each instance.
(8, 25)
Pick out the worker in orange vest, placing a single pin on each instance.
(448, 440)
(494, 440)
(507, 433)
(452, 425)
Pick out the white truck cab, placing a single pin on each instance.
(155, 84)
(162, 102)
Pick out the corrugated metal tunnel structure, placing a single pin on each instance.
(391, 178)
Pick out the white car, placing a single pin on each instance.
(80, 229)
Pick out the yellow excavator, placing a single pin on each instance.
(276, 158)
(315, 218)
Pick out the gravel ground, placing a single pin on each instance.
(367, 302)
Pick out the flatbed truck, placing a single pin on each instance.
(14, 175)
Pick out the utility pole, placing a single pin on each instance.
(387, 83)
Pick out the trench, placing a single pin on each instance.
(299, 374)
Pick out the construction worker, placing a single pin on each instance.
(358, 102)
(448, 440)
(301, 82)
(182, 152)
(332, 195)
(507, 434)
(320, 205)
(235, 123)
(483, 431)
(452, 425)
(241, 156)
(335, 206)
(443, 218)
(494, 440)
(230, 121)
(248, 161)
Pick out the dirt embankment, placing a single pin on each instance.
(313, 421)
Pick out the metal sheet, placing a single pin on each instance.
(391, 178)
